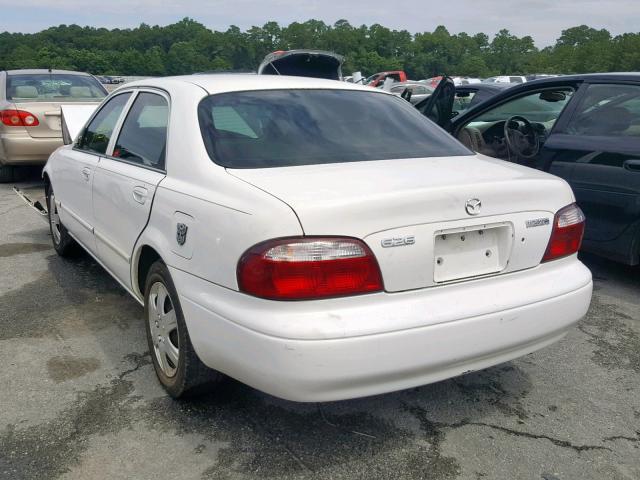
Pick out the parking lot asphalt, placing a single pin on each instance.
(79, 398)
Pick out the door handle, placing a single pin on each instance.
(632, 164)
(86, 173)
(140, 194)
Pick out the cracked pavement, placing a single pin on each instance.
(79, 399)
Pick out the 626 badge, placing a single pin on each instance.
(181, 233)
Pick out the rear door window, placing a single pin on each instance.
(611, 110)
(143, 136)
(53, 87)
(98, 133)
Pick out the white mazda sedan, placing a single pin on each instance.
(314, 239)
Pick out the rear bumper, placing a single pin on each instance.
(316, 368)
(21, 149)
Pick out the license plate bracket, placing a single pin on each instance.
(474, 251)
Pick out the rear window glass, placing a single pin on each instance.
(279, 128)
(53, 87)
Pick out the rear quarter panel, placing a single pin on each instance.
(223, 214)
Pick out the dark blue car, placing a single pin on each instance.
(583, 128)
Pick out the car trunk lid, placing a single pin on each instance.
(413, 213)
(303, 63)
(48, 115)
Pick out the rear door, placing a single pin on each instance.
(75, 168)
(598, 152)
(126, 179)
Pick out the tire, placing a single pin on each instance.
(176, 363)
(7, 173)
(63, 243)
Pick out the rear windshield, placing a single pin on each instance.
(281, 128)
(53, 87)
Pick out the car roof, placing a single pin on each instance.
(43, 71)
(611, 76)
(485, 86)
(238, 82)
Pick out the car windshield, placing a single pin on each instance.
(53, 87)
(279, 128)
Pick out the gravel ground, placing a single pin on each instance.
(79, 399)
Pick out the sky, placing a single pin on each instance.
(544, 20)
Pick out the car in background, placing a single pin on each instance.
(538, 76)
(582, 128)
(30, 100)
(377, 79)
(465, 80)
(433, 81)
(506, 79)
(419, 91)
(303, 63)
(317, 240)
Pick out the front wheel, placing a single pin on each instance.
(63, 243)
(176, 363)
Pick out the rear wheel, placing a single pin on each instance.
(177, 366)
(63, 243)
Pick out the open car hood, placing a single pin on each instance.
(73, 119)
(303, 63)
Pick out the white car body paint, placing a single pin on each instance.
(419, 330)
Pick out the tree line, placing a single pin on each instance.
(188, 46)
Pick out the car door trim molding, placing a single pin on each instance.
(134, 164)
(104, 239)
(77, 218)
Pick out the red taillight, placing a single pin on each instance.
(566, 236)
(18, 118)
(309, 268)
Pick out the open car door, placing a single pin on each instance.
(73, 119)
(439, 105)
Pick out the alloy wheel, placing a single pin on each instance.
(163, 325)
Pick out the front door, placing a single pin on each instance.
(76, 169)
(125, 181)
(598, 152)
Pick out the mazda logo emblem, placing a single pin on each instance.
(473, 206)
